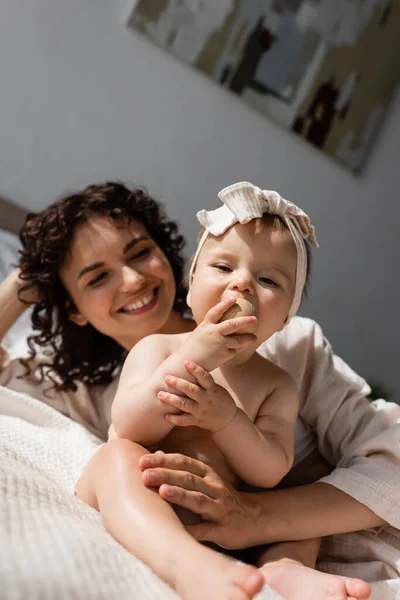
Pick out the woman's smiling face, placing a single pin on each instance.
(119, 280)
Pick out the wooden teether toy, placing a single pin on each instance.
(241, 308)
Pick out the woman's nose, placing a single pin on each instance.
(241, 283)
(131, 279)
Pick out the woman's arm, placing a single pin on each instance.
(11, 307)
(235, 519)
(360, 438)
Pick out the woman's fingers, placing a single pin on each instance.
(190, 483)
(174, 462)
(177, 480)
(197, 502)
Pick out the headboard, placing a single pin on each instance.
(12, 216)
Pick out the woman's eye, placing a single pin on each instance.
(143, 253)
(97, 279)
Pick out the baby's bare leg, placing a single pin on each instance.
(288, 568)
(149, 528)
(303, 552)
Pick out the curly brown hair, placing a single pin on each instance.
(83, 353)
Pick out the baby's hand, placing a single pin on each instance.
(215, 342)
(203, 404)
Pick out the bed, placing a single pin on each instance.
(52, 545)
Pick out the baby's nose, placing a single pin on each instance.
(242, 283)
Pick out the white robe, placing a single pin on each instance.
(361, 438)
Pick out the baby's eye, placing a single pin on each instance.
(97, 280)
(223, 268)
(268, 281)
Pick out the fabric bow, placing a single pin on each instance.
(244, 201)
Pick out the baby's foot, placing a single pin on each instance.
(294, 581)
(206, 574)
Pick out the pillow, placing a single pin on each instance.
(15, 340)
(9, 246)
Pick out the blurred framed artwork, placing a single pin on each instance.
(323, 69)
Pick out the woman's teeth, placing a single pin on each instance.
(139, 303)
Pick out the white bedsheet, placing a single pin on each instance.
(51, 544)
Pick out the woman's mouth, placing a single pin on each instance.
(145, 304)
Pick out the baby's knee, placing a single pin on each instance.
(118, 453)
(112, 460)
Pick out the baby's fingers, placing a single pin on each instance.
(215, 313)
(244, 324)
(183, 420)
(191, 390)
(240, 341)
(186, 405)
(202, 376)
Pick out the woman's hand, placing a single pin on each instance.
(27, 296)
(11, 307)
(202, 404)
(228, 514)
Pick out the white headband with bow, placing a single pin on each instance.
(244, 202)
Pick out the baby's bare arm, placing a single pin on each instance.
(261, 453)
(137, 414)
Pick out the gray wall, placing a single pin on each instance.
(84, 99)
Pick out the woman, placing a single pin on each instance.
(86, 356)
(100, 287)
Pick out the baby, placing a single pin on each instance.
(207, 393)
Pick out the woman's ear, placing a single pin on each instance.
(78, 319)
(75, 316)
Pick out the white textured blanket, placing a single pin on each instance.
(51, 544)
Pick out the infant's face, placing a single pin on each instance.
(254, 261)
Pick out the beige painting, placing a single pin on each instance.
(324, 69)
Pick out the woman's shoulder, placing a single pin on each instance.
(13, 368)
(300, 334)
(89, 406)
